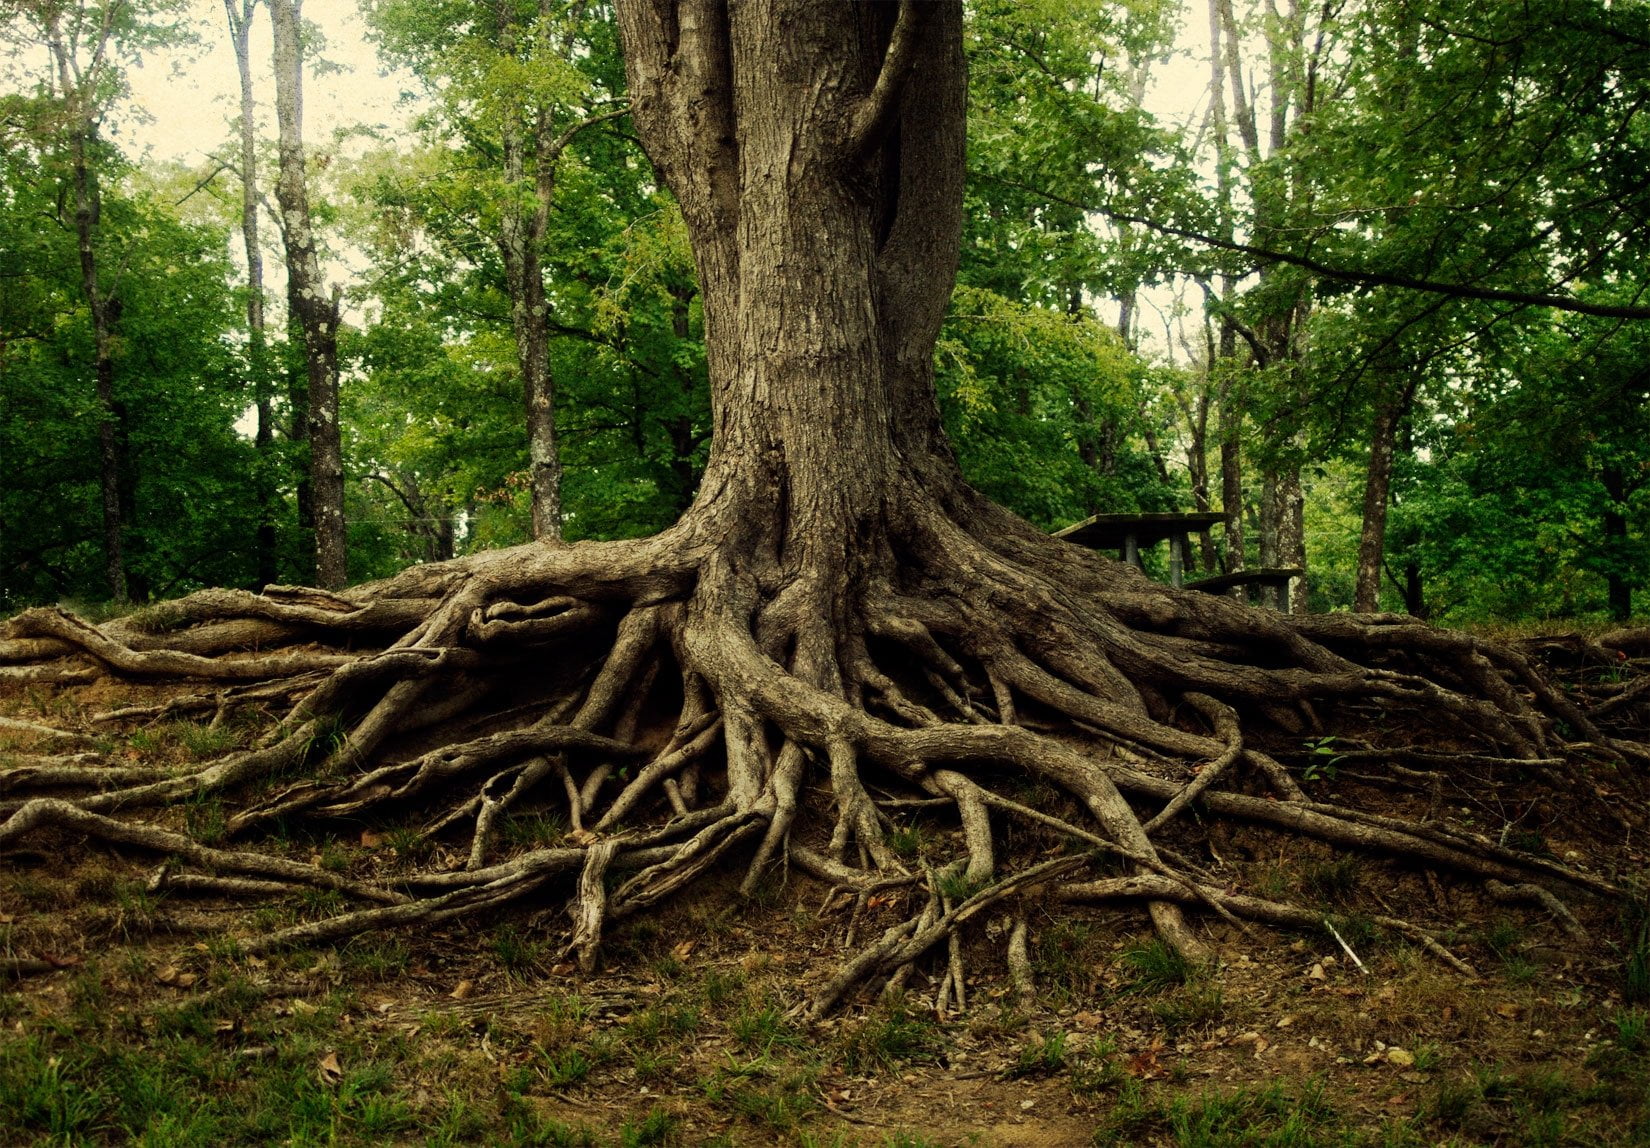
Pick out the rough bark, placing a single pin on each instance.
(838, 624)
(311, 306)
(240, 30)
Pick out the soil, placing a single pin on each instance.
(690, 1031)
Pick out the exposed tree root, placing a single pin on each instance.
(680, 706)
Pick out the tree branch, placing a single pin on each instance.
(872, 116)
(1347, 274)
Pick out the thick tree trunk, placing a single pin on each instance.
(240, 29)
(315, 310)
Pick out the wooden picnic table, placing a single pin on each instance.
(1127, 533)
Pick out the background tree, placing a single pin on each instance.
(313, 309)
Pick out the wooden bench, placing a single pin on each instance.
(1264, 577)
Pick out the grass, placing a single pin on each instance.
(889, 1037)
(1156, 967)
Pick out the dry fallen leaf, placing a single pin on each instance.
(463, 989)
(371, 840)
(1509, 1010)
(681, 951)
(1316, 973)
(175, 977)
(1144, 1065)
(563, 969)
(331, 1071)
(1087, 1020)
(1400, 1057)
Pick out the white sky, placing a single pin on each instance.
(191, 98)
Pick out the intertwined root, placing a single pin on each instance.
(687, 711)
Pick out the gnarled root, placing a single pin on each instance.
(680, 704)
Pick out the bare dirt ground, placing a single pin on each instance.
(130, 1015)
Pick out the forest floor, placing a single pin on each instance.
(131, 1016)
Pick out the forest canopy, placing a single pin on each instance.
(1369, 279)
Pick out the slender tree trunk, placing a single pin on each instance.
(1292, 536)
(77, 93)
(1383, 435)
(240, 27)
(1615, 542)
(521, 238)
(315, 311)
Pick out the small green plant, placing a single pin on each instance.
(1324, 759)
(1064, 959)
(956, 885)
(533, 830)
(720, 987)
(1635, 919)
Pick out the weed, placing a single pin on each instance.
(907, 841)
(1452, 1102)
(518, 954)
(1189, 1006)
(1096, 1069)
(533, 830)
(1157, 967)
(1323, 763)
(1268, 1115)
(377, 958)
(1635, 921)
(719, 987)
(1041, 1055)
(1427, 1057)
(1632, 1030)
(956, 884)
(1332, 881)
(762, 1031)
(656, 1127)
(408, 842)
(565, 1067)
(903, 1139)
(1064, 959)
(1506, 940)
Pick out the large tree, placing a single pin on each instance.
(837, 606)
